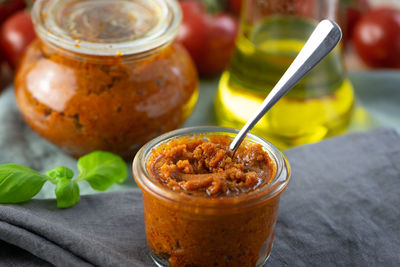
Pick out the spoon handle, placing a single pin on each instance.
(323, 39)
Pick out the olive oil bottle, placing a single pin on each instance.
(319, 106)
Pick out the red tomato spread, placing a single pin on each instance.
(202, 166)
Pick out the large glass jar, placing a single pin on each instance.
(105, 75)
(195, 230)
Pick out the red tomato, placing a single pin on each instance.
(377, 38)
(8, 7)
(193, 28)
(235, 6)
(219, 45)
(5, 75)
(16, 34)
(353, 14)
(210, 39)
(192, 6)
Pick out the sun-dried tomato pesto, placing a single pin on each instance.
(102, 103)
(205, 165)
(105, 75)
(204, 206)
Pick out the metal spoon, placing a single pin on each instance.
(324, 38)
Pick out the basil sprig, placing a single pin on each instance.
(19, 183)
(100, 169)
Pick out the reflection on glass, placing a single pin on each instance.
(271, 35)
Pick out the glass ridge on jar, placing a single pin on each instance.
(105, 75)
(191, 230)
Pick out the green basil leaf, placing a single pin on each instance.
(101, 169)
(67, 193)
(58, 173)
(19, 183)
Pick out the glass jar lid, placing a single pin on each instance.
(107, 27)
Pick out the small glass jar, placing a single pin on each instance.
(189, 230)
(105, 75)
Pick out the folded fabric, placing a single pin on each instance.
(341, 208)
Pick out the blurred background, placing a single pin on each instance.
(218, 20)
(242, 47)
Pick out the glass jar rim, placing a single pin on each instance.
(146, 183)
(44, 16)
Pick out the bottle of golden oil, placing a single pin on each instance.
(271, 35)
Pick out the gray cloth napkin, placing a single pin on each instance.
(342, 208)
